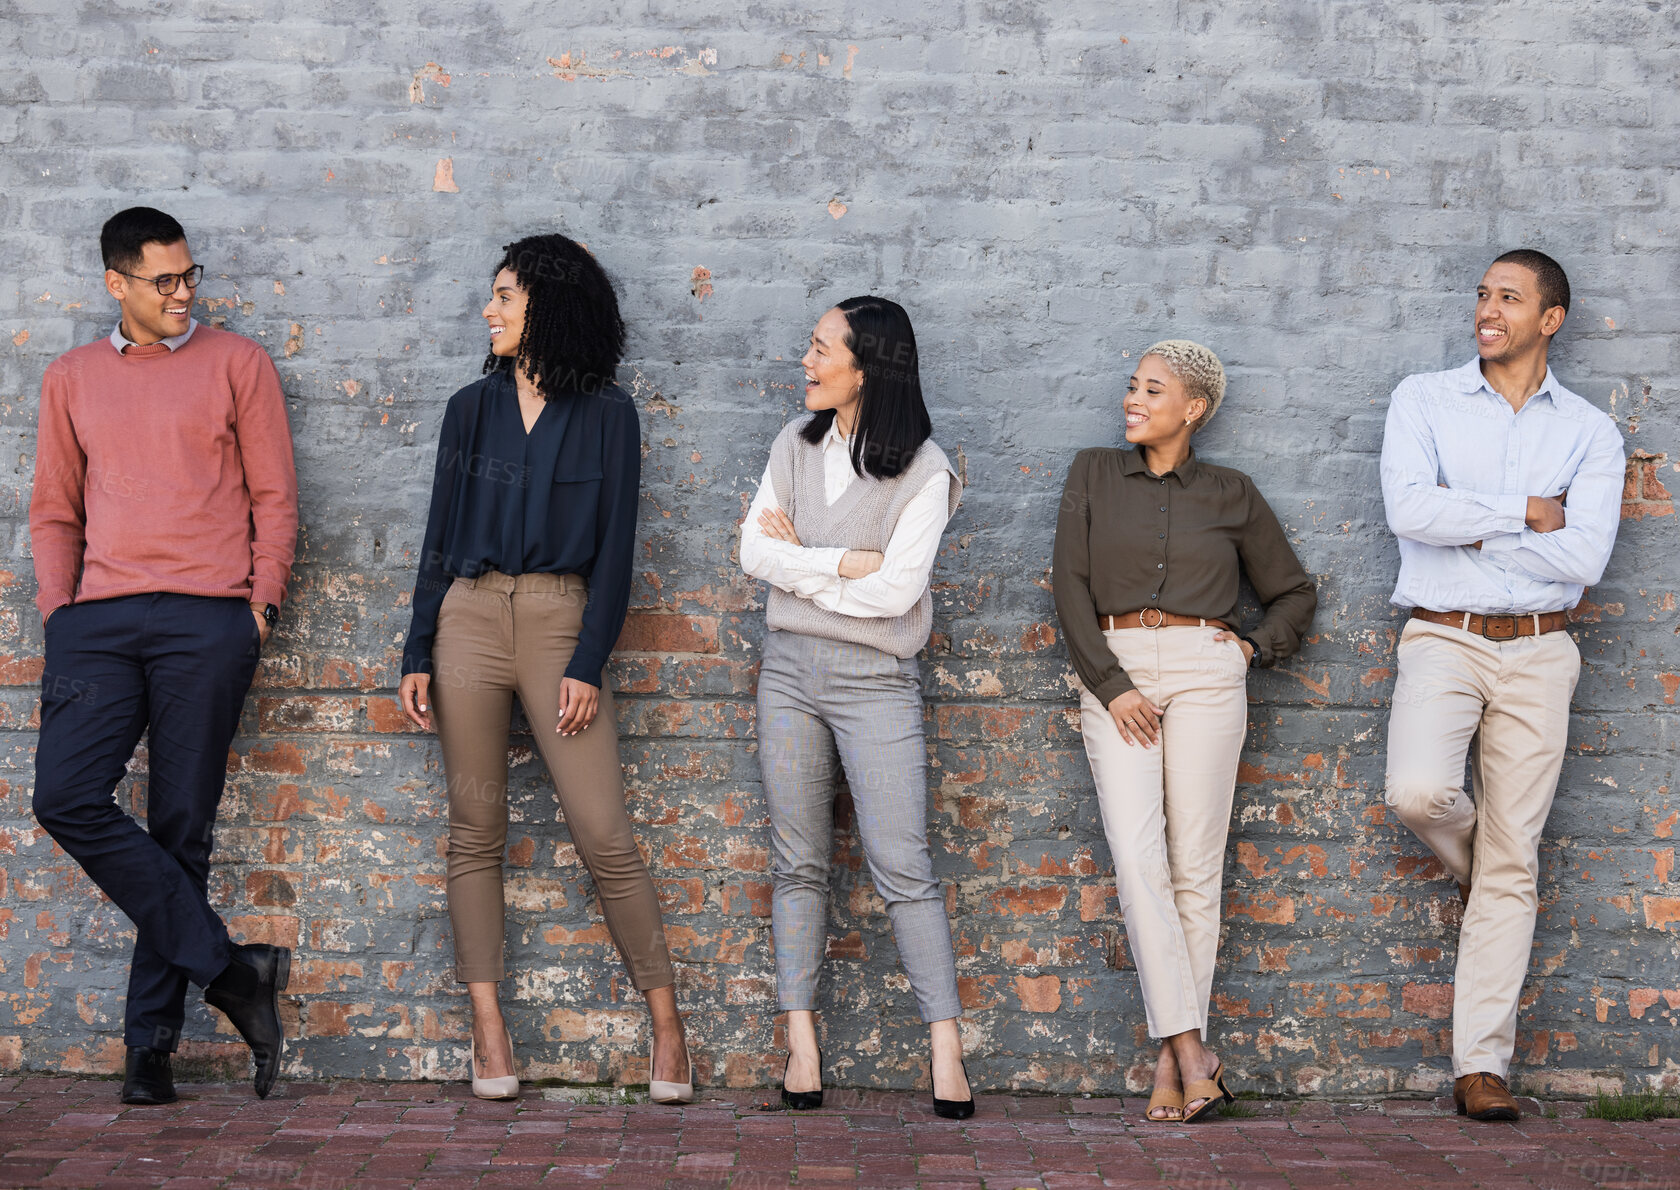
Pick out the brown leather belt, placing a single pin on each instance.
(1497, 627)
(1154, 617)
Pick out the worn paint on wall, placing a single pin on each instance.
(1311, 188)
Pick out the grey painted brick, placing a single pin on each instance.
(1310, 188)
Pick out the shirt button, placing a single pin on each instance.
(1154, 596)
(1161, 535)
(1163, 508)
(1160, 566)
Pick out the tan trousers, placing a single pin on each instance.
(1166, 809)
(1506, 705)
(498, 635)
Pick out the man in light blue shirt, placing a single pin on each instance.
(1504, 489)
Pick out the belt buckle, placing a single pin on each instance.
(1160, 617)
(1505, 622)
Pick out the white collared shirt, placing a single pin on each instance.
(814, 572)
(1450, 428)
(121, 341)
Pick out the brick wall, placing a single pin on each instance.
(1312, 188)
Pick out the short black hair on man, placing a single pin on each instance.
(1554, 285)
(123, 239)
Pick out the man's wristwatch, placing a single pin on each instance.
(1254, 656)
(269, 612)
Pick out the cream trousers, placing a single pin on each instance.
(1166, 809)
(1505, 704)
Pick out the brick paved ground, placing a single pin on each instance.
(72, 1132)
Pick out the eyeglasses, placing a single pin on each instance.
(168, 283)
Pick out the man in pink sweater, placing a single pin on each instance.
(163, 525)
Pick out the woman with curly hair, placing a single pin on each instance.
(1151, 547)
(523, 584)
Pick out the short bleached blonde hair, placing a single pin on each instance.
(1198, 368)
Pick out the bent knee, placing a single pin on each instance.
(60, 808)
(1418, 797)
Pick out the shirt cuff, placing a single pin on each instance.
(828, 558)
(1502, 543)
(1113, 688)
(1513, 510)
(267, 591)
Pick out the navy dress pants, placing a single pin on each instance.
(177, 667)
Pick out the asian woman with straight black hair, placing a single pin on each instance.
(845, 528)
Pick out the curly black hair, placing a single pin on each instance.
(574, 337)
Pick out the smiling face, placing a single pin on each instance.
(147, 315)
(833, 379)
(1157, 405)
(505, 314)
(1510, 323)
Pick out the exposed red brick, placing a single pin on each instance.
(747, 897)
(269, 888)
(662, 632)
(1042, 993)
(1248, 855)
(1098, 902)
(848, 947)
(282, 757)
(1023, 902)
(21, 671)
(1037, 637)
(681, 896)
(1433, 1000)
(273, 929)
(1661, 912)
(1268, 907)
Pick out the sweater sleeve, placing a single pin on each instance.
(265, 453)
(1279, 580)
(1092, 659)
(57, 508)
(615, 541)
(433, 580)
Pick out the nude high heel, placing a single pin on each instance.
(506, 1087)
(660, 1091)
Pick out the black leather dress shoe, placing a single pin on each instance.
(147, 1078)
(248, 992)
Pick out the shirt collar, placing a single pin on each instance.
(174, 342)
(1471, 380)
(1131, 463)
(834, 435)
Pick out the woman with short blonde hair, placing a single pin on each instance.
(1151, 547)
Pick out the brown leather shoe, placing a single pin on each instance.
(1484, 1096)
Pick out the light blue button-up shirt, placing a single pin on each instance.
(120, 340)
(1451, 428)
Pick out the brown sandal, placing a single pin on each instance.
(1209, 1090)
(1169, 1099)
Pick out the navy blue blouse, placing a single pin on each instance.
(559, 500)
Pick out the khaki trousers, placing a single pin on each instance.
(498, 635)
(1166, 809)
(1505, 704)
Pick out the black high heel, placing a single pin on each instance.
(801, 1100)
(954, 1109)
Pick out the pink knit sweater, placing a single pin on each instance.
(163, 471)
